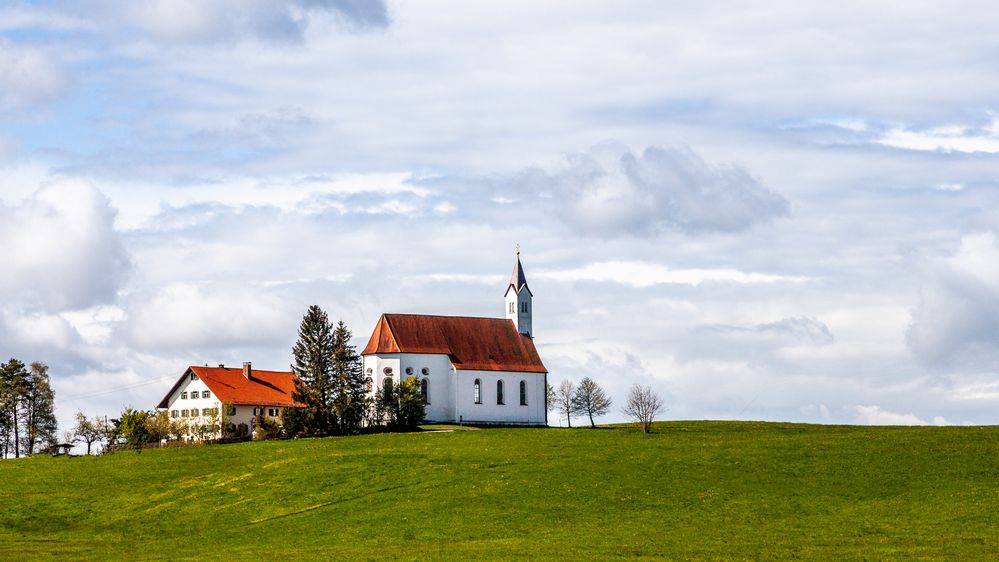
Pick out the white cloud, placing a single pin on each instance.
(27, 75)
(950, 187)
(644, 274)
(190, 316)
(61, 249)
(610, 190)
(946, 139)
(957, 318)
(876, 415)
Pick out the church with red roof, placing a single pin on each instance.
(470, 369)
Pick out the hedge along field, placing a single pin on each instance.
(692, 489)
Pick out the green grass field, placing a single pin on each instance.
(691, 490)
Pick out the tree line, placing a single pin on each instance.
(27, 409)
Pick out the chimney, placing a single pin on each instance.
(247, 370)
(221, 365)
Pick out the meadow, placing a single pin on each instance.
(732, 490)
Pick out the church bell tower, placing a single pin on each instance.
(519, 307)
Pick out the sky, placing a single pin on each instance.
(767, 211)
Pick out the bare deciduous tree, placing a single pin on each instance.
(643, 405)
(590, 399)
(563, 400)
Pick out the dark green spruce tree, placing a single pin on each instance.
(349, 400)
(315, 386)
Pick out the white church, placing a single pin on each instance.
(471, 370)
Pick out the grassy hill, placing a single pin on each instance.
(693, 489)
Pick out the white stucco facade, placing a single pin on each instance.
(451, 393)
(194, 403)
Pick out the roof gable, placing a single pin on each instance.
(477, 344)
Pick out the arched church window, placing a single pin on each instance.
(499, 392)
(477, 391)
(425, 391)
(523, 306)
(387, 384)
(523, 393)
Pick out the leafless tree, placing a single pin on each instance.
(643, 405)
(563, 400)
(590, 399)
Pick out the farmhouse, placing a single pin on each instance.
(201, 392)
(472, 370)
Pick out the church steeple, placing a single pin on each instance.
(519, 305)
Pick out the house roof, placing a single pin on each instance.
(473, 344)
(264, 388)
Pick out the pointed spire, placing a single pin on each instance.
(518, 280)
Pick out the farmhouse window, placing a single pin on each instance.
(208, 412)
(523, 306)
(272, 412)
(174, 413)
(194, 377)
(183, 413)
(523, 393)
(183, 396)
(205, 394)
(513, 308)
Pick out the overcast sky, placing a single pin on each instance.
(779, 212)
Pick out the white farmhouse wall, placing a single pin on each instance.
(244, 415)
(195, 406)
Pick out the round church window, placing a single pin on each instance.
(387, 371)
(409, 370)
(425, 371)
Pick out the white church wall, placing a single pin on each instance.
(511, 411)
(405, 365)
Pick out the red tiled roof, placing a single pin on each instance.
(473, 344)
(265, 388)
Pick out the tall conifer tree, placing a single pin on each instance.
(349, 400)
(313, 367)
